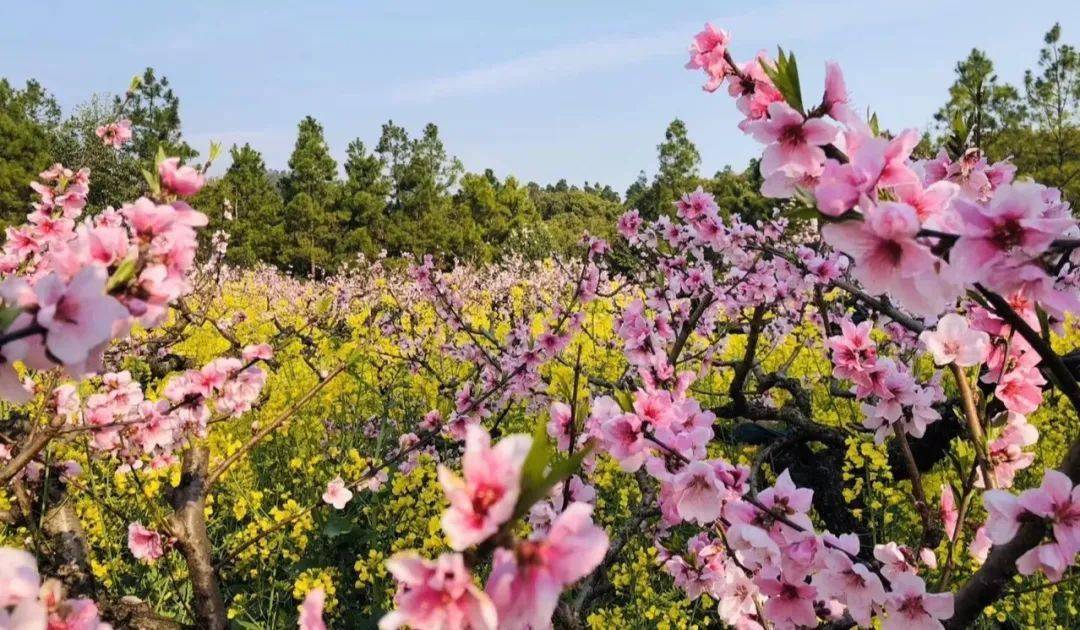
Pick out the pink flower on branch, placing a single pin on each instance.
(182, 181)
(437, 595)
(115, 134)
(889, 259)
(1058, 501)
(910, 607)
(526, 582)
(144, 544)
(337, 494)
(954, 341)
(485, 498)
(311, 610)
(78, 316)
(794, 142)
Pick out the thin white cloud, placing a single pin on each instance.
(544, 66)
(783, 21)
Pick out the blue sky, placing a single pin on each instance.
(542, 90)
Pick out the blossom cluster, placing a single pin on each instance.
(526, 577)
(27, 603)
(69, 289)
(1057, 502)
(897, 397)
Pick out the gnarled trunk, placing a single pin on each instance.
(62, 525)
(188, 525)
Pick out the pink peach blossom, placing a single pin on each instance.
(1057, 500)
(115, 134)
(1052, 559)
(558, 426)
(910, 607)
(889, 259)
(949, 512)
(257, 352)
(337, 494)
(853, 351)
(794, 142)
(437, 595)
(77, 315)
(1003, 515)
(144, 544)
(19, 579)
(698, 493)
(980, 546)
(484, 500)
(954, 341)
(526, 582)
(179, 180)
(789, 603)
(311, 610)
(1014, 224)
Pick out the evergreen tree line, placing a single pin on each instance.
(1035, 124)
(407, 193)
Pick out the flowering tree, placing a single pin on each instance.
(677, 357)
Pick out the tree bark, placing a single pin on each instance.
(62, 525)
(188, 525)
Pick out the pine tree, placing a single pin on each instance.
(247, 204)
(154, 111)
(394, 150)
(310, 191)
(1053, 104)
(679, 162)
(981, 111)
(311, 233)
(363, 200)
(312, 170)
(676, 175)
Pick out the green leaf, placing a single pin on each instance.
(625, 400)
(215, 151)
(875, 126)
(536, 461)
(337, 525)
(802, 212)
(563, 468)
(784, 74)
(8, 315)
(542, 470)
(124, 274)
(160, 157)
(152, 182)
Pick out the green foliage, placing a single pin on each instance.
(310, 235)
(543, 469)
(737, 193)
(247, 204)
(1052, 96)
(312, 228)
(1039, 129)
(981, 110)
(676, 174)
(154, 111)
(785, 76)
(115, 175)
(312, 171)
(25, 118)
